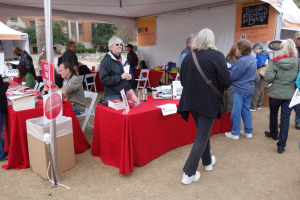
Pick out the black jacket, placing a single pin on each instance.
(110, 76)
(197, 96)
(3, 99)
(70, 57)
(27, 61)
(132, 59)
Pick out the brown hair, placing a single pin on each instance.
(68, 65)
(70, 43)
(244, 46)
(231, 54)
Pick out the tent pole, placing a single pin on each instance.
(49, 50)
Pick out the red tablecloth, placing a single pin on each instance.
(142, 135)
(154, 76)
(99, 85)
(16, 135)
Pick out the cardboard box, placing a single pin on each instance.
(38, 152)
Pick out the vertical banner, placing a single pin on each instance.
(48, 74)
(146, 29)
(255, 21)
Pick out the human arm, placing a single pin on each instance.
(73, 85)
(181, 57)
(4, 85)
(271, 72)
(29, 79)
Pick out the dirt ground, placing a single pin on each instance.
(245, 169)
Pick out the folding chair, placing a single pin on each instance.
(88, 111)
(143, 78)
(90, 84)
(177, 77)
(36, 86)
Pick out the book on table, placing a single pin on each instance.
(116, 104)
(23, 102)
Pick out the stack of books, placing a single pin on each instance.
(23, 102)
(116, 104)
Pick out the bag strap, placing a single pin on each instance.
(208, 82)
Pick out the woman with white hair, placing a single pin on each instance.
(282, 73)
(200, 100)
(111, 73)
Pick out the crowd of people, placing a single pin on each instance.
(240, 71)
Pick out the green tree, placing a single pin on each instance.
(103, 32)
(31, 34)
(58, 35)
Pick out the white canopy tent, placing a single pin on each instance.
(11, 38)
(175, 20)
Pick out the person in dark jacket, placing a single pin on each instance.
(243, 74)
(200, 100)
(3, 109)
(112, 74)
(133, 61)
(59, 60)
(70, 56)
(24, 60)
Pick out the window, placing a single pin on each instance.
(32, 24)
(80, 29)
(65, 30)
(14, 19)
(73, 29)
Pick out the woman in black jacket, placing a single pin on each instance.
(3, 109)
(200, 100)
(112, 74)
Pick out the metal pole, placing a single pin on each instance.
(49, 49)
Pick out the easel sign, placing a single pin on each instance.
(48, 74)
(124, 98)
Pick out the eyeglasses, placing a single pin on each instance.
(119, 45)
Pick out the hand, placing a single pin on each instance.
(126, 76)
(8, 64)
(129, 77)
(45, 90)
(7, 80)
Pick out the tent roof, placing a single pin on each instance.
(113, 11)
(7, 33)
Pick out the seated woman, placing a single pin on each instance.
(112, 74)
(26, 76)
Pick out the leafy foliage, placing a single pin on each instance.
(31, 34)
(103, 32)
(126, 34)
(80, 48)
(58, 35)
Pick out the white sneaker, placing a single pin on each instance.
(247, 135)
(230, 135)
(258, 108)
(252, 110)
(213, 162)
(186, 180)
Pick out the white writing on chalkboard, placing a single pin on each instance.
(255, 15)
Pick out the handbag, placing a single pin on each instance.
(227, 99)
(262, 70)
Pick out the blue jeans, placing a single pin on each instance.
(3, 153)
(297, 119)
(274, 105)
(241, 108)
(76, 111)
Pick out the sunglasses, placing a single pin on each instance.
(119, 45)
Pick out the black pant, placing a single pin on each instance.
(201, 147)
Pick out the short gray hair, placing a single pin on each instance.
(257, 46)
(190, 39)
(113, 40)
(204, 40)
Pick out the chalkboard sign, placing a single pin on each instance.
(255, 15)
(274, 45)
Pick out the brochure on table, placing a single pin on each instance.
(168, 109)
(7, 70)
(177, 89)
(127, 109)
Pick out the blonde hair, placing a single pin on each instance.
(113, 40)
(231, 54)
(204, 40)
(288, 48)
